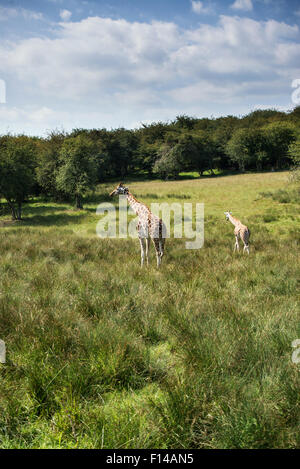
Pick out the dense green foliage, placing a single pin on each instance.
(77, 172)
(67, 166)
(104, 354)
(17, 171)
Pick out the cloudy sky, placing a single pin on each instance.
(118, 63)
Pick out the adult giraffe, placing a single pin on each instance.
(149, 226)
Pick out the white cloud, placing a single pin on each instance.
(103, 72)
(65, 15)
(34, 119)
(7, 13)
(198, 7)
(245, 5)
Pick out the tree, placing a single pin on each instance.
(125, 154)
(221, 134)
(48, 163)
(278, 137)
(168, 165)
(261, 117)
(102, 139)
(295, 115)
(294, 151)
(147, 154)
(77, 173)
(206, 155)
(151, 133)
(247, 148)
(294, 154)
(237, 149)
(185, 122)
(17, 171)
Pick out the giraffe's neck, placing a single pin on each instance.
(233, 220)
(137, 206)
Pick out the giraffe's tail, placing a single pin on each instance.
(161, 247)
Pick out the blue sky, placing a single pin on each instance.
(74, 63)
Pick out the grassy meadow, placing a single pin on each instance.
(104, 354)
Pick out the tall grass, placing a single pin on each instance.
(102, 354)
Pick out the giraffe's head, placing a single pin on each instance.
(227, 214)
(119, 190)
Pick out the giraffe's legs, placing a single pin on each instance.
(236, 246)
(157, 251)
(246, 248)
(142, 243)
(246, 241)
(147, 250)
(158, 258)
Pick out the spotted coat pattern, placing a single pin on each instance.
(149, 226)
(240, 231)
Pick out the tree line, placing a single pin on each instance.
(65, 166)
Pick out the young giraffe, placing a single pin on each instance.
(149, 226)
(240, 231)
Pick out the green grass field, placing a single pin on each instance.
(103, 354)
